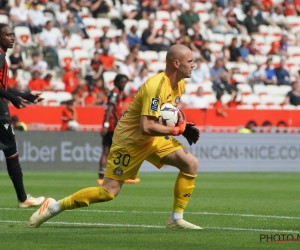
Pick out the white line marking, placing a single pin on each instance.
(158, 212)
(152, 226)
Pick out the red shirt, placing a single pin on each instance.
(12, 82)
(70, 81)
(107, 61)
(115, 98)
(69, 114)
(89, 99)
(36, 85)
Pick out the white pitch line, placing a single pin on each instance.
(159, 212)
(153, 226)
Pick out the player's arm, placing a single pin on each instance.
(26, 96)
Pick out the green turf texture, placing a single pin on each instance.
(121, 223)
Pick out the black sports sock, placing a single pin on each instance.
(101, 174)
(16, 175)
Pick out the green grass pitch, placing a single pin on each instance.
(235, 210)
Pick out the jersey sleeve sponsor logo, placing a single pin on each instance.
(154, 104)
(177, 99)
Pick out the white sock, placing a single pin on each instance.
(54, 208)
(176, 216)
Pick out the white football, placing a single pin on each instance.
(168, 115)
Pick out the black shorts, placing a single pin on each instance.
(7, 135)
(107, 139)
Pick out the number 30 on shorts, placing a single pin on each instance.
(124, 159)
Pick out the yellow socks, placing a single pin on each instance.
(183, 190)
(85, 197)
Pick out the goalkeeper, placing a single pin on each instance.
(139, 137)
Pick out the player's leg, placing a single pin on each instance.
(9, 147)
(184, 185)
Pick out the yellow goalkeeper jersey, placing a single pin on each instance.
(153, 93)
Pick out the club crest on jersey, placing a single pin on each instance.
(118, 171)
(177, 99)
(154, 104)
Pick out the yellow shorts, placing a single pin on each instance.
(124, 163)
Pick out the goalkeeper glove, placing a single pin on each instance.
(191, 133)
(179, 129)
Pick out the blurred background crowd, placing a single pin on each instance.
(246, 52)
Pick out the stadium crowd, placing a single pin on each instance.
(246, 52)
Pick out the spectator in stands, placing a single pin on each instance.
(149, 10)
(118, 48)
(218, 106)
(18, 15)
(197, 38)
(201, 72)
(104, 37)
(48, 40)
(235, 54)
(297, 6)
(280, 47)
(234, 14)
(4, 7)
(130, 11)
(198, 100)
(47, 82)
(206, 51)
(68, 114)
(233, 103)
(128, 68)
(270, 73)
(253, 48)
(258, 76)
(166, 41)
(16, 60)
(149, 39)
(220, 77)
(133, 38)
(96, 66)
(72, 26)
(180, 32)
(134, 50)
(225, 54)
(189, 16)
(91, 98)
(64, 41)
(13, 80)
(36, 18)
(251, 21)
(36, 83)
(107, 60)
(218, 23)
(290, 9)
(139, 80)
(277, 18)
(62, 14)
(244, 50)
(99, 8)
(70, 79)
(38, 64)
(293, 97)
(97, 48)
(53, 6)
(282, 75)
(17, 125)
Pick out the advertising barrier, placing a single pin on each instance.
(215, 152)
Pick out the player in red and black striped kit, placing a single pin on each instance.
(112, 115)
(7, 136)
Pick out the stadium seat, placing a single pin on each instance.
(265, 49)
(273, 90)
(190, 88)
(128, 88)
(90, 23)
(94, 33)
(75, 44)
(150, 56)
(274, 107)
(65, 57)
(275, 31)
(245, 89)
(204, 17)
(260, 89)
(207, 87)
(4, 19)
(185, 98)
(108, 78)
(63, 96)
(50, 98)
(251, 99)
(57, 31)
(199, 8)
(239, 78)
(211, 99)
(244, 68)
(88, 44)
(143, 24)
(278, 99)
(101, 22)
(284, 89)
(129, 23)
(58, 85)
(289, 107)
(225, 99)
(163, 15)
(162, 56)
(218, 38)
(114, 13)
(264, 30)
(23, 36)
(245, 107)
(293, 51)
(260, 59)
(266, 100)
(156, 66)
(215, 47)
(294, 21)
(261, 106)
(80, 56)
(259, 39)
